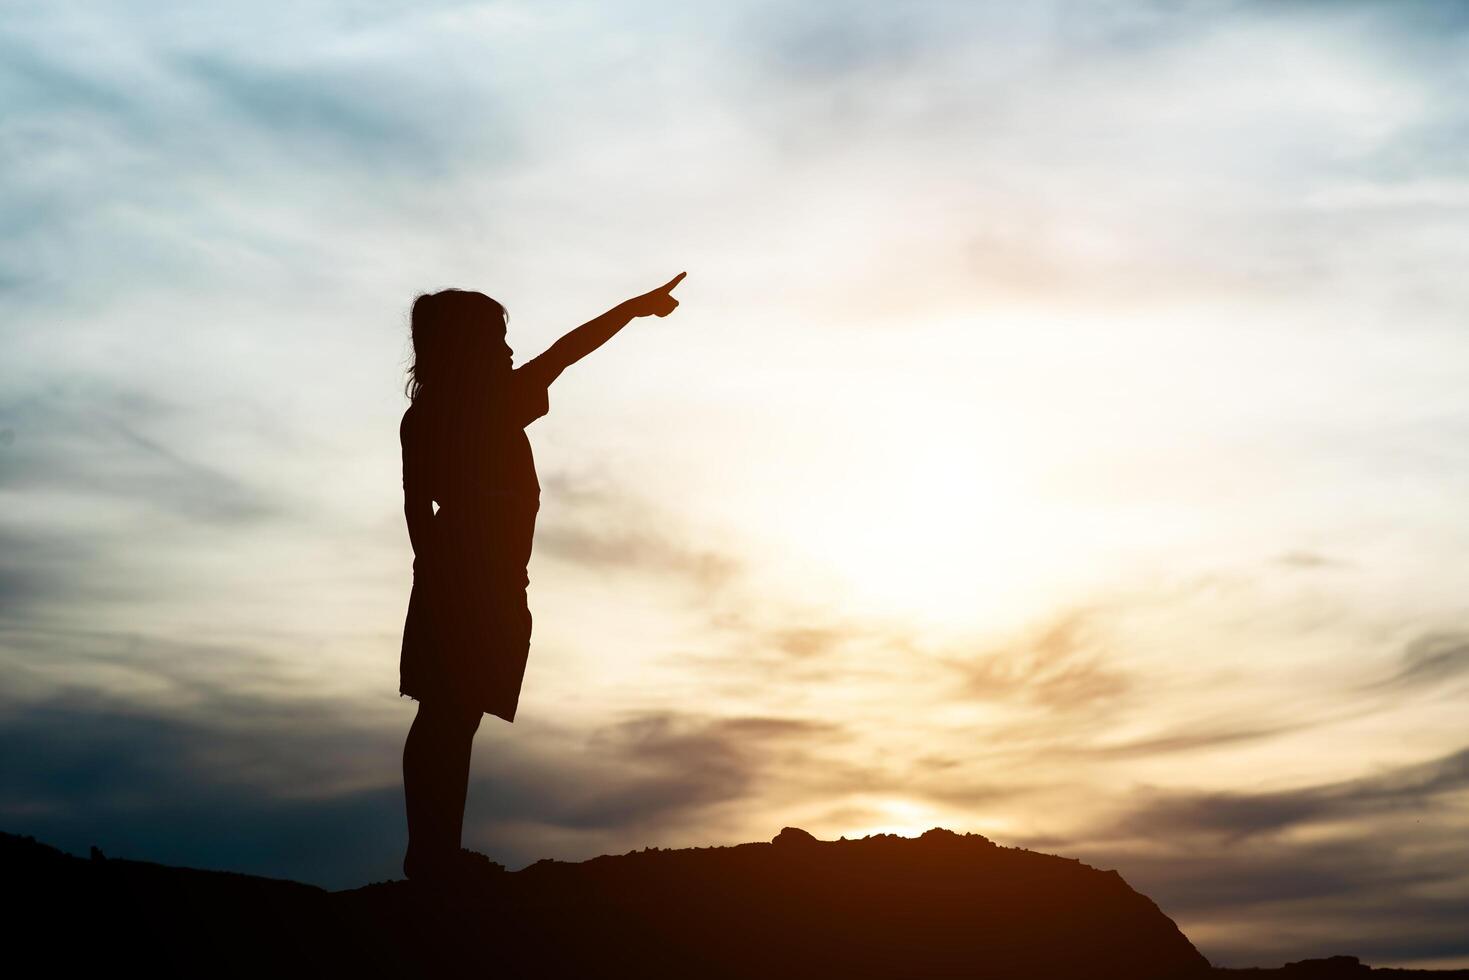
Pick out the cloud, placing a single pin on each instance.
(1307, 560)
(236, 783)
(90, 439)
(37, 566)
(206, 756)
(1429, 661)
(607, 530)
(99, 506)
(1390, 892)
(1062, 668)
(807, 641)
(1235, 816)
(1371, 866)
(633, 547)
(656, 769)
(1192, 739)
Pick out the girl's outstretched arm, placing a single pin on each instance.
(594, 333)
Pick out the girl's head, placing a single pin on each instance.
(458, 338)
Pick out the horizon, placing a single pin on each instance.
(1061, 437)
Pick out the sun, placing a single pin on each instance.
(929, 531)
(901, 817)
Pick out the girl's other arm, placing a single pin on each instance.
(418, 506)
(419, 511)
(594, 333)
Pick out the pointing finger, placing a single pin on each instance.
(672, 282)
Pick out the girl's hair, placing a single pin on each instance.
(454, 331)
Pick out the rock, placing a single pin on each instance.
(1327, 968)
(793, 837)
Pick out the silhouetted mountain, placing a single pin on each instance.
(1335, 968)
(942, 905)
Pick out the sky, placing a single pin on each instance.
(1062, 436)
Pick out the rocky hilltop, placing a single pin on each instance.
(943, 905)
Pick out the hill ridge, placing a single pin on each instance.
(939, 905)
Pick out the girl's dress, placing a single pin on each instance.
(466, 637)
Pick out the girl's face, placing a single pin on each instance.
(501, 356)
(481, 345)
(481, 354)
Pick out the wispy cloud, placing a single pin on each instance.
(1235, 816)
(1429, 662)
(1063, 669)
(83, 440)
(597, 528)
(1262, 874)
(188, 754)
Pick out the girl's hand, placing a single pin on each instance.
(658, 302)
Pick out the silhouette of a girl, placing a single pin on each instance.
(467, 632)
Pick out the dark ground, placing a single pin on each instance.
(943, 905)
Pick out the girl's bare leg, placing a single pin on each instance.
(436, 758)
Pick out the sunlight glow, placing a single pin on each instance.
(905, 819)
(929, 534)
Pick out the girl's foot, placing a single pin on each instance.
(418, 865)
